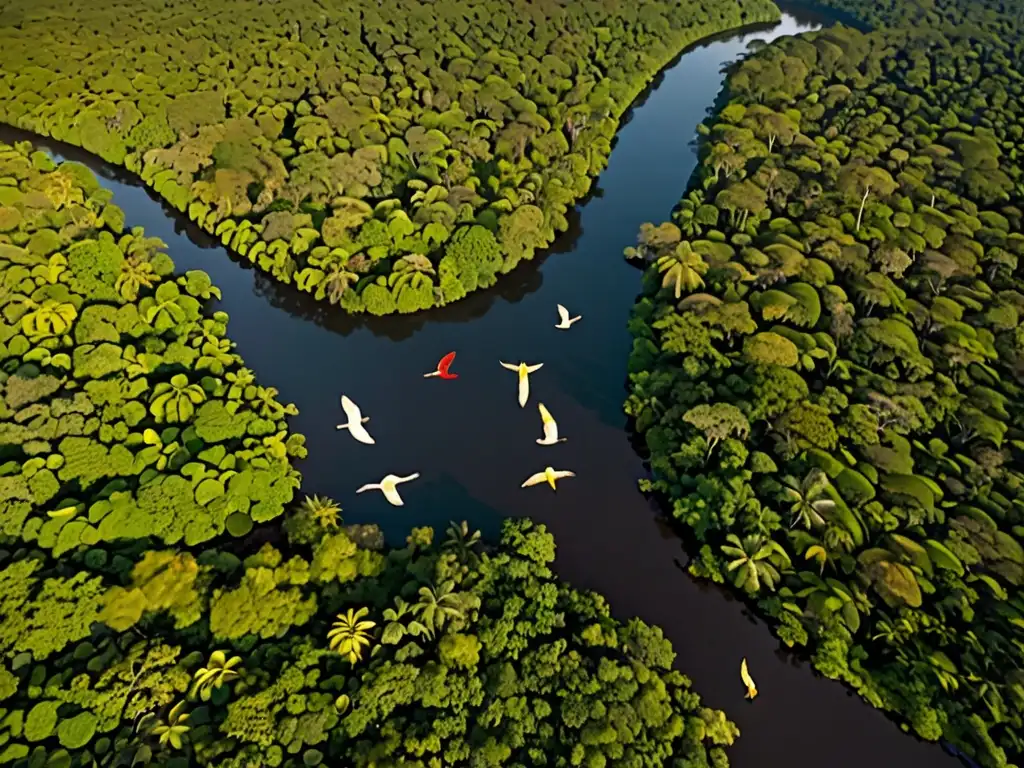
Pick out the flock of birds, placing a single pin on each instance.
(389, 483)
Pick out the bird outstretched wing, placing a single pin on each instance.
(351, 410)
(536, 479)
(445, 363)
(563, 313)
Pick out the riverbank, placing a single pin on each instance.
(473, 445)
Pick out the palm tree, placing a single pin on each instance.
(322, 509)
(461, 541)
(176, 400)
(136, 273)
(218, 671)
(414, 270)
(807, 506)
(682, 268)
(337, 280)
(350, 634)
(396, 628)
(51, 318)
(753, 561)
(171, 730)
(434, 608)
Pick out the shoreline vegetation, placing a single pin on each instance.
(828, 361)
(384, 158)
(167, 600)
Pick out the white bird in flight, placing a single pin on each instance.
(566, 320)
(524, 372)
(550, 427)
(549, 476)
(389, 486)
(355, 421)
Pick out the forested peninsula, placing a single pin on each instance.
(828, 359)
(385, 157)
(167, 599)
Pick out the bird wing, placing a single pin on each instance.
(391, 494)
(407, 478)
(560, 473)
(545, 414)
(524, 388)
(446, 362)
(540, 477)
(747, 679)
(563, 313)
(351, 410)
(509, 366)
(551, 432)
(358, 431)
(533, 368)
(368, 487)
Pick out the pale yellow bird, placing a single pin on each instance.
(747, 680)
(566, 321)
(549, 476)
(355, 421)
(524, 372)
(387, 485)
(550, 427)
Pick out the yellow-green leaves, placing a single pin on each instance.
(175, 401)
(350, 634)
(218, 671)
(50, 318)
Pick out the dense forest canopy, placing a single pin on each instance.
(382, 156)
(164, 599)
(828, 363)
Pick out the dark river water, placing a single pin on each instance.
(474, 445)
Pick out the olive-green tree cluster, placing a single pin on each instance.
(124, 411)
(828, 364)
(387, 157)
(448, 653)
(145, 619)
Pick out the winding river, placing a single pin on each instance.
(474, 445)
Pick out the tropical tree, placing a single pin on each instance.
(337, 279)
(172, 730)
(682, 268)
(51, 318)
(322, 509)
(135, 274)
(461, 541)
(350, 634)
(753, 561)
(176, 400)
(401, 623)
(436, 607)
(807, 506)
(218, 671)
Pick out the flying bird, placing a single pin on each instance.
(747, 680)
(524, 372)
(550, 427)
(355, 421)
(549, 476)
(442, 368)
(389, 486)
(566, 320)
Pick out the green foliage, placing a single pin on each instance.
(105, 370)
(871, 476)
(404, 127)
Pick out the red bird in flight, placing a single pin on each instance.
(442, 368)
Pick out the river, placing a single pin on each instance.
(474, 445)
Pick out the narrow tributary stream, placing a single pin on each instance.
(473, 445)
